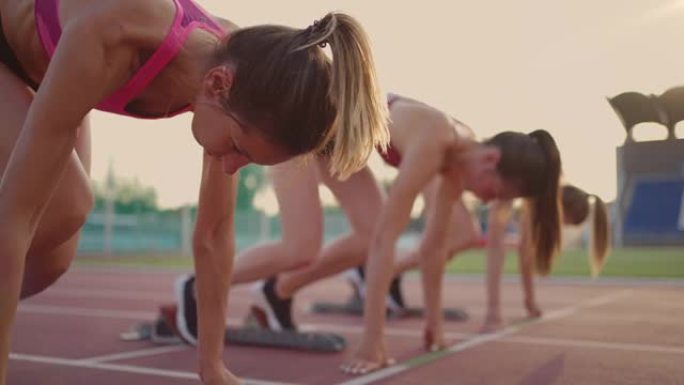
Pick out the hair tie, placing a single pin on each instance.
(312, 29)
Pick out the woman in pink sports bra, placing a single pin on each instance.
(263, 94)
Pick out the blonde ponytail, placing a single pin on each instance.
(362, 113)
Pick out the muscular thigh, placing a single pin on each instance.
(360, 196)
(296, 187)
(462, 220)
(464, 228)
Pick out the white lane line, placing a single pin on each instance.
(87, 312)
(129, 295)
(481, 339)
(566, 281)
(140, 316)
(135, 354)
(110, 294)
(595, 345)
(412, 333)
(124, 368)
(392, 332)
(376, 376)
(606, 299)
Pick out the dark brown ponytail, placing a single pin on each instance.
(546, 209)
(532, 164)
(600, 239)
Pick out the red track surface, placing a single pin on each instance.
(592, 333)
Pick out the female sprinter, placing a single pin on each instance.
(262, 94)
(437, 156)
(577, 205)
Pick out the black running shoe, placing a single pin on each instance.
(186, 316)
(278, 311)
(164, 330)
(356, 278)
(395, 298)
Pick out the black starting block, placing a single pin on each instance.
(160, 332)
(355, 307)
(286, 339)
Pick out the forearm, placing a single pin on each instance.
(379, 273)
(527, 277)
(11, 272)
(213, 268)
(214, 251)
(495, 260)
(432, 264)
(499, 215)
(406, 260)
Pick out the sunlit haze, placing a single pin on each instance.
(494, 65)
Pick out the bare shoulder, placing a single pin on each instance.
(148, 10)
(227, 24)
(119, 20)
(422, 120)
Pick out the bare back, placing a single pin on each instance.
(134, 30)
(413, 120)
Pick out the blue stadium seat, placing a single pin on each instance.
(656, 209)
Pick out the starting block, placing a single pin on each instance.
(286, 339)
(355, 307)
(163, 332)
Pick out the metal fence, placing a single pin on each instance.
(171, 233)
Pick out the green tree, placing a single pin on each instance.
(129, 196)
(251, 179)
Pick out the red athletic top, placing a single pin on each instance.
(392, 157)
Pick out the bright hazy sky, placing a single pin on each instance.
(495, 65)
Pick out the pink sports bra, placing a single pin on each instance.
(188, 17)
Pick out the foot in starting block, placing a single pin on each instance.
(158, 332)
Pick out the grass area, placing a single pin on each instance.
(160, 261)
(630, 262)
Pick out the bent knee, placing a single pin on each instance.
(302, 253)
(39, 277)
(61, 221)
(465, 241)
(76, 211)
(84, 202)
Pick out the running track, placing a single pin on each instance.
(593, 332)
